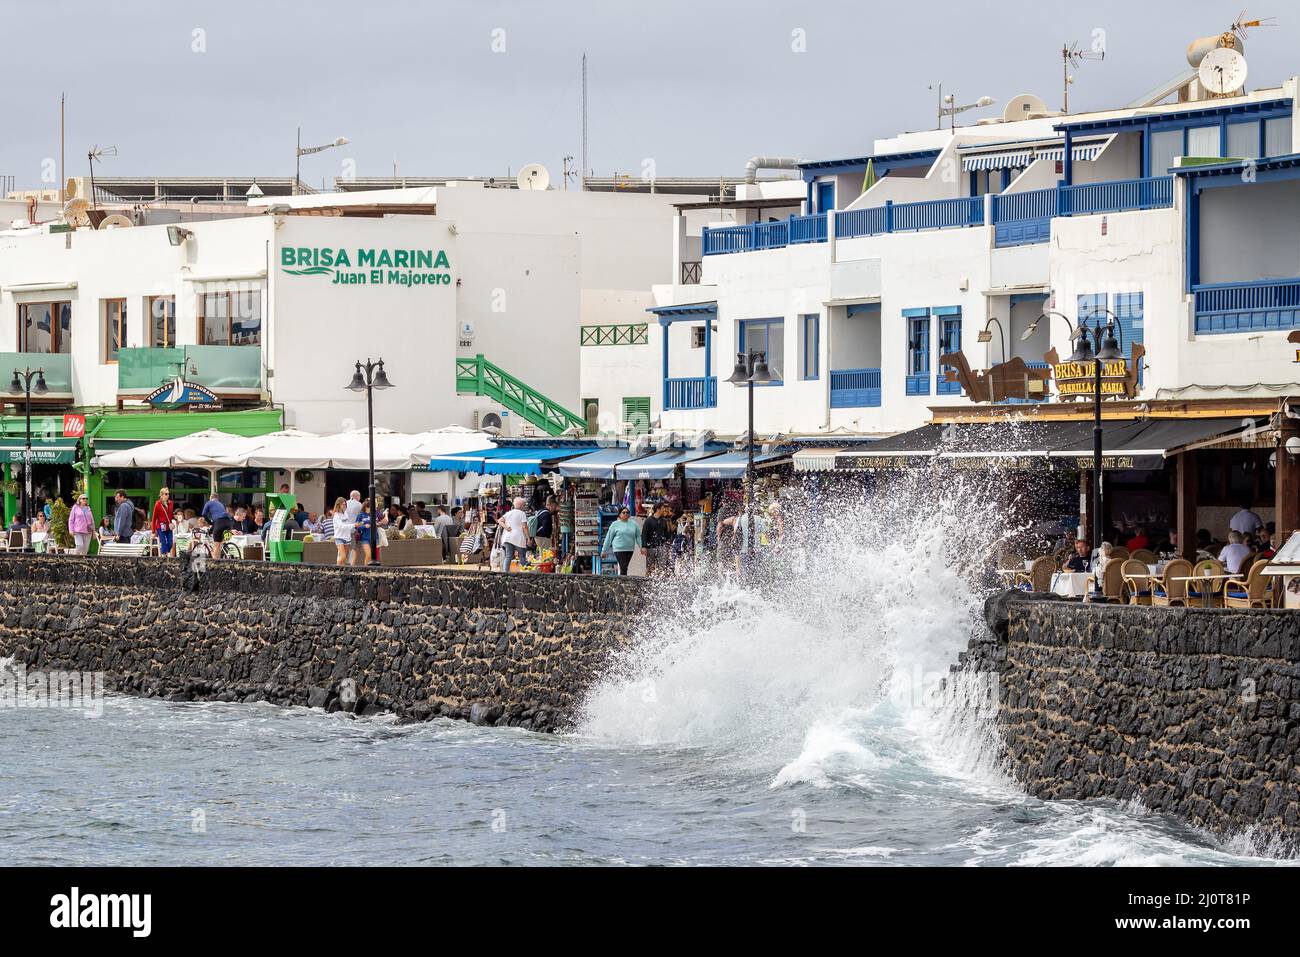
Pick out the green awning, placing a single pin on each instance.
(44, 451)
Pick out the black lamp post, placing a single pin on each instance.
(22, 383)
(1097, 344)
(368, 377)
(751, 368)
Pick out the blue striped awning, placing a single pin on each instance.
(508, 460)
(1004, 159)
(1082, 153)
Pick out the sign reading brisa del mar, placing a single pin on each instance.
(368, 266)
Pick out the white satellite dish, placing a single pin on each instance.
(1222, 71)
(1026, 106)
(533, 176)
(116, 221)
(74, 212)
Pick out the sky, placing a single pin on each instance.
(479, 88)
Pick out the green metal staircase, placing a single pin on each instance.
(477, 376)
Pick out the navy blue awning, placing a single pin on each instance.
(599, 464)
(508, 460)
(731, 465)
(663, 464)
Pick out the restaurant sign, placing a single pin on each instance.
(179, 394)
(368, 266)
(42, 452)
(1078, 378)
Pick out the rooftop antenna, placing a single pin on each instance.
(1073, 57)
(585, 168)
(568, 171)
(97, 153)
(1241, 24)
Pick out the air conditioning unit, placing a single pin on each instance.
(488, 420)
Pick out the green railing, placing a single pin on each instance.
(634, 334)
(57, 366)
(477, 376)
(220, 368)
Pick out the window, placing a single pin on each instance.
(636, 413)
(1129, 311)
(1203, 141)
(809, 343)
(950, 341)
(697, 337)
(45, 327)
(114, 328)
(162, 322)
(1277, 136)
(766, 336)
(918, 351)
(1166, 146)
(1243, 140)
(231, 318)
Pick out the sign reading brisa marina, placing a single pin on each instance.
(368, 266)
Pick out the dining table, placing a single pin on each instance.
(1071, 584)
(1207, 593)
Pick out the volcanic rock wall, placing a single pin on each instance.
(490, 648)
(1195, 712)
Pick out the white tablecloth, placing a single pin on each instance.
(1071, 584)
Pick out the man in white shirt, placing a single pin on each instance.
(1245, 521)
(1234, 553)
(514, 534)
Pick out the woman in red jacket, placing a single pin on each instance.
(161, 524)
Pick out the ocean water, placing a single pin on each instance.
(790, 719)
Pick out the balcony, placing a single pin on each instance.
(691, 272)
(1265, 305)
(697, 392)
(855, 389)
(628, 334)
(223, 369)
(1023, 218)
(57, 366)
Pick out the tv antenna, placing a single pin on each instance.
(1072, 58)
(1241, 24)
(97, 153)
(568, 171)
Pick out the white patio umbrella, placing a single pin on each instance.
(210, 448)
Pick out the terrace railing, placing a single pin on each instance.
(629, 334)
(1259, 306)
(1117, 196)
(855, 388)
(696, 392)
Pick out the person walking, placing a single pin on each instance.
(623, 539)
(514, 535)
(544, 537)
(656, 536)
(81, 523)
(164, 512)
(342, 531)
(361, 535)
(123, 517)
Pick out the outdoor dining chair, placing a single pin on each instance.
(1137, 581)
(1144, 555)
(1166, 589)
(1209, 567)
(1255, 591)
(1039, 576)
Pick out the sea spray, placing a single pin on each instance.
(827, 658)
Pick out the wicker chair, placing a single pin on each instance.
(1119, 552)
(1167, 590)
(1137, 581)
(1039, 576)
(1144, 555)
(1256, 591)
(1207, 566)
(1112, 583)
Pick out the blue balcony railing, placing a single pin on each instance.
(1260, 306)
(855, 388)
(939, 214)
(918, 384)
(1156, 192)
(869, 221)
(808, 229)
(698, 392)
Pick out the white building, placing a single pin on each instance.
(275, 305)
(1174, 220)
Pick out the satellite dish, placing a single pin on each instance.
(1026, 106)
(254, 190)
(1222, 71)
(533, 176)
(116, 221)
(74, 212)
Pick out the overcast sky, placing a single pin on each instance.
(476, 87)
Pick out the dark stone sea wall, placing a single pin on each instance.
(1194, 712)
(489, 648)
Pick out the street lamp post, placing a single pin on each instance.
(1097, 345)
(302, 151)
(368, 377)
(751, 369)
(22, 383)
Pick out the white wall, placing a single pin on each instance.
(1250, 232)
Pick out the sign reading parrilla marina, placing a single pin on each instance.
(364, 266)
